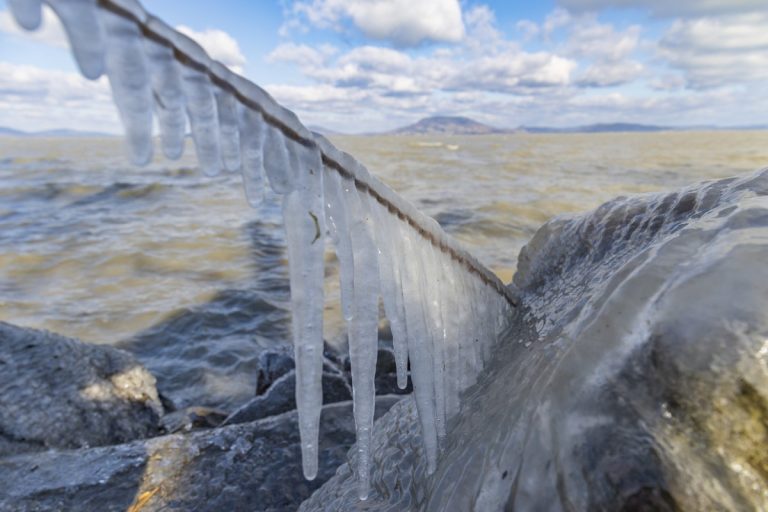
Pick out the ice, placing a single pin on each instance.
(419, 340)
(276, 163)
(336, 216)
(127, 69)
(252, 133)
(389, 268)
(363, 327)
(443, 312)
(27, 13)
(453, 318)
(167, 93)
(203, 119)
(84, 32)
(304, 225)
(228, 130)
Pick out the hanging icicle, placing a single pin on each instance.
(445, 309)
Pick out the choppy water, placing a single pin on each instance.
(176, 267)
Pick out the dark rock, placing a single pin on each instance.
(331, 357)
(386, 369)
(273, 364)
(386, 373)
(335, 388)
(192, 418)
(253, 466)
(56, 392)
(281, 397)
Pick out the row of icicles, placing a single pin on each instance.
(444, 319)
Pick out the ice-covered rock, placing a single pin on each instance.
(635, 376)
(57, 392)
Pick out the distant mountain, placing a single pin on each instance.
(447, 125)
(12, 132)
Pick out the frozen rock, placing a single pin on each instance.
(56, 392)
(634, 377)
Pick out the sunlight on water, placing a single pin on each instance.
(96, 249)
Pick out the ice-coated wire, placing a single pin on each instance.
(444, 307)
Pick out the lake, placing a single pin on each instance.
(177, 268)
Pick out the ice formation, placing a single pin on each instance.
(633, 377)
(445, 308)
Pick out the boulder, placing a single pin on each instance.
(280, 397)
(57, 392)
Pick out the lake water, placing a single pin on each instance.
(177, 268)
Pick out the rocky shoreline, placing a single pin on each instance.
(84, 427)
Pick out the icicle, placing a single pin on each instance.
(166, 90)
(201, 105)
(336, 217)
(230, 137)
(419, 349)
(84, 33)
(201, 110)
(252, 132)
(304, 226)
(276, 163)
(434, 290)
(363, 328)
(389, 267)
(27, 13)
(128, 75)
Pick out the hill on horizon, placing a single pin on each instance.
(447, 125)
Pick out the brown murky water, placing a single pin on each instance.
(93, 248)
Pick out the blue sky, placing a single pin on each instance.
(369, 65)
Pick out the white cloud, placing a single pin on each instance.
(610, 74)
(592, 40)
(718, 51)
(395, 73)
(219, 45)
(304, 56)
(555, 20)
(50, 32)
(481, 25)
(32, 98)
(666, 8)
(605, 55)
(401, 22)
(513, 73)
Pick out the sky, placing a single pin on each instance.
(373, 65)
